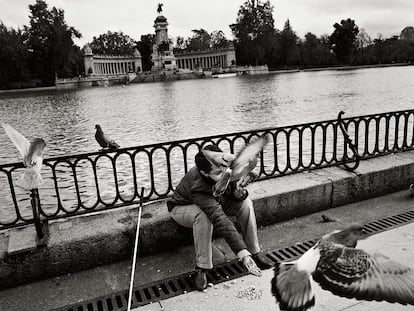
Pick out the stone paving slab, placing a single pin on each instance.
(21, 240)
(398, 244)
(80, 286)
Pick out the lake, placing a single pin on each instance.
(138, 114)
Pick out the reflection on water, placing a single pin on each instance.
(158, 112)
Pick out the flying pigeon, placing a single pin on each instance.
(340, 268)
(104, 141)
(32, 154)
(237, 168)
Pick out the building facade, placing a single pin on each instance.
(163, 56)
(407, 33)
(105, 65)
(207, 59)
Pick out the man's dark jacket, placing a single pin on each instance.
(195, 188)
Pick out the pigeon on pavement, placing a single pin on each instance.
(326, 218)
(340, 268)
(411, 188)
(32, 154)
(237, 168)
(104, 141)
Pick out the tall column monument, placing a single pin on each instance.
(162, 51)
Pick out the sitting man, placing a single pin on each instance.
(194, 206)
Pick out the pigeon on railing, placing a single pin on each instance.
(237, 168)
(340, 268)
(32, 154)
(104, 141)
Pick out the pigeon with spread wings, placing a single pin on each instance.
(104, 141)
(32, 154)
(237, 167)
(344, 270)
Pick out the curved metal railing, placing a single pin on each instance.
(89, 182)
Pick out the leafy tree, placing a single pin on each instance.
(288, 45)
(325, 54)
(51, 41)
(199, 41)
(113, 43)
(397, 51)
(180, 43)
(378, 46)
(218, 40)
(316, 52)
(253, 30)
(13, 57)
(343, 40)
(309, 47)
(144, 46)
(363, 40)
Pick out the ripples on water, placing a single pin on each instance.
(157, 112)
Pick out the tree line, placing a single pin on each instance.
(44, 50)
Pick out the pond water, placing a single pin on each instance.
(139, 114)
(157, 112)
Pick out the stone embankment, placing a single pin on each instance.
(83, 242)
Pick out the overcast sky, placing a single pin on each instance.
(136, 17)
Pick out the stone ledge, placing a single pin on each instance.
(87, 241)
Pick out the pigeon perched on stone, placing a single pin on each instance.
(104, 141)
(32, 154)
(326, 218)
(340, 268)
(238, 167)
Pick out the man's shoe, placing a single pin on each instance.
(262, 261)
(200, 279)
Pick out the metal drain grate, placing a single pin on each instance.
(156, 291)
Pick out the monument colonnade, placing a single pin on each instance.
(104, 66)
(99, 65)
(206, 59)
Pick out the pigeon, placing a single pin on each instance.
(411, 188)
(104, 141)
(238, 167)
(32, 154)
(326, 218)
(344, 270)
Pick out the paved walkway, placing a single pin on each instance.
(84, 285)
(398, 244)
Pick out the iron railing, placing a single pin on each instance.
(89, 182)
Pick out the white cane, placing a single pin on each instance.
(134, 259)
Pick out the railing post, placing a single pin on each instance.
(348, 141)
(41, 227)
